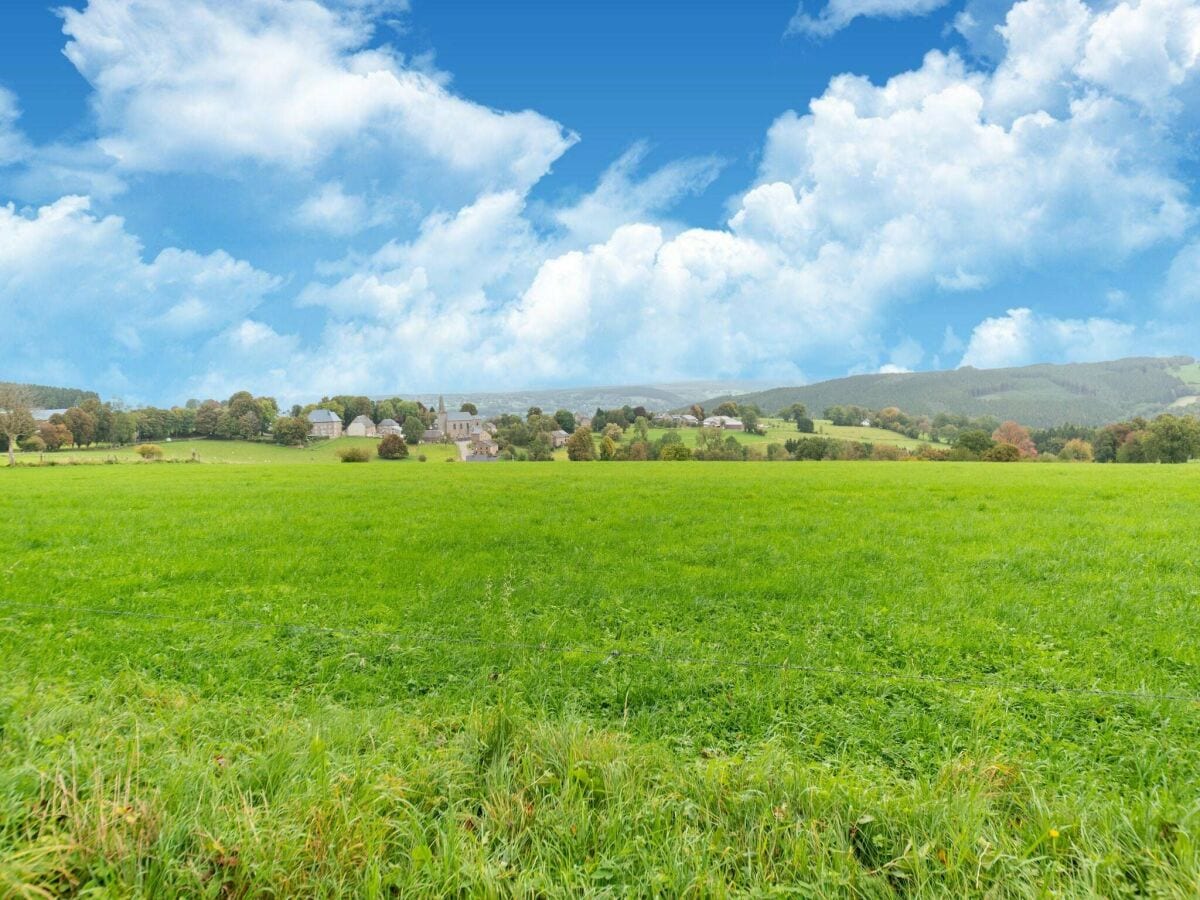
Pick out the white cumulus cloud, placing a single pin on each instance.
(77, 295)
(837, 14)
(202, 84)
(1021, 337)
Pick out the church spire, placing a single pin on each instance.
(441, 404)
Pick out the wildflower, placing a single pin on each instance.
(1053, 834)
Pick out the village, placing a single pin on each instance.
(475, 435)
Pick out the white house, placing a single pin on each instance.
(362, 426)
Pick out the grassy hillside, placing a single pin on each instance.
(45, 397)
(675, 679)
(1081, 393)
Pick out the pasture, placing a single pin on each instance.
(862, 679)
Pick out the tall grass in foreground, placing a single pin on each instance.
(149, 791)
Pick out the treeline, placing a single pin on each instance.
(41, 396)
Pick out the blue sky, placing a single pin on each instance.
(303, 197)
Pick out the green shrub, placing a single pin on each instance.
(421, 457)
(392, 447)
(354, 454)
(148, 451)
(32, 444)
(675, 452)
(1002, 453)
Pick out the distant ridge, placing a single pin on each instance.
(43, 396)
(1041, 395)
(655, 397)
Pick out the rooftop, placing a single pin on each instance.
(318, 416)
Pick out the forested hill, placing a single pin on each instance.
(44, 397)
(1041, 395)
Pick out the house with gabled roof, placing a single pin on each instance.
(362, 426)
(324, 423)
(457, 426)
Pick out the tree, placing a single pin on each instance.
(698, 411)
(794, 413)
(413, 428)
(533, 411)
(608, 448)
(1076, 450)
(1174, 439)
(675, 452)
(392, 447)
(1002, 453)
(805, 425)
(613, 431)
(565, 419)
(291, 430)
(1017, 435)
(54, 435)
(728, 408)
(540, 448)
(81, 424)
(580, 446)
(16, 421)
(642, 427)
(974, 440)
(208, 414)
(749, 418)
(469, 408)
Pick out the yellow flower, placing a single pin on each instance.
(1053, 833)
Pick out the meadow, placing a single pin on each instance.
(672, 679)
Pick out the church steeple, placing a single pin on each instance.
(441, 404)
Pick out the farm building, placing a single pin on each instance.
(324, 423)
(390, 426)
(362, 426)
(725, 423)
(686, 420)
(558, 438)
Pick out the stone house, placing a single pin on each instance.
(362, 426)
(558, 438)
(324, 423)
(457, 426)
(390, 426)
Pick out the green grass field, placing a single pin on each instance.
(778, 431)
(659, 679)
(214, 451)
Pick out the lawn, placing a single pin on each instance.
(243, 452)
(864, 679)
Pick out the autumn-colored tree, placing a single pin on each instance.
(1017, 435)
(608, 448)
(54, 435)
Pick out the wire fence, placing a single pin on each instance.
(421, 641)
